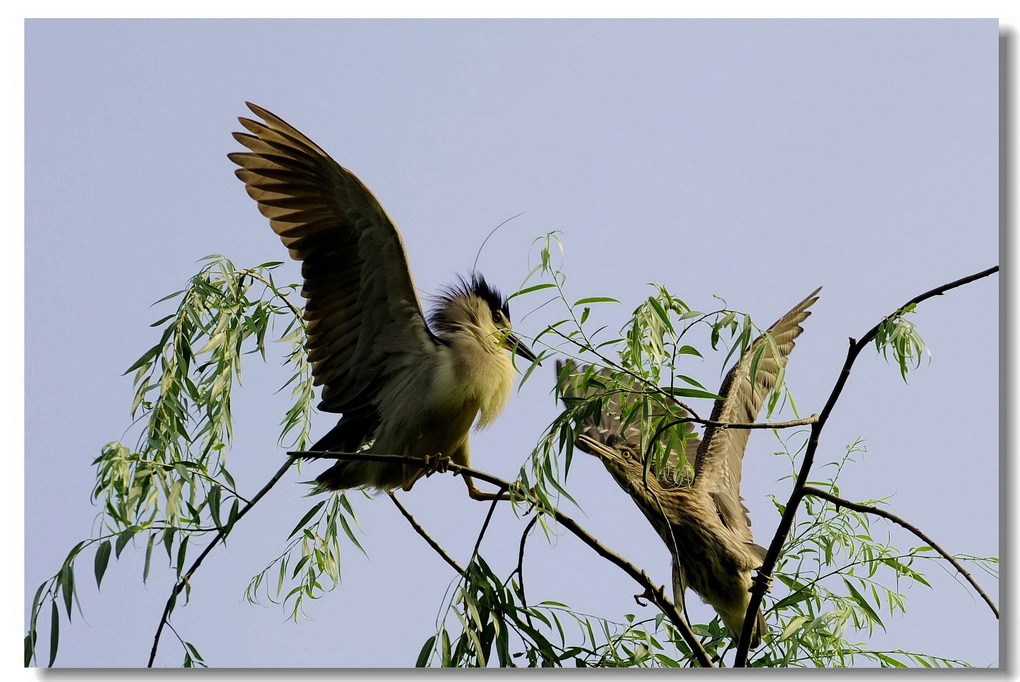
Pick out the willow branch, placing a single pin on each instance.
(868, 509)
(520, 563)
(183, 582)
(763, 578)
(452, 467)
(520, 580)
(806, 421)
(485, 526)
(463, 572)
(654, 593)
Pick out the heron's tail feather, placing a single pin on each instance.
(734, 625)
(337, 477)
(354, 429)
(759, 631)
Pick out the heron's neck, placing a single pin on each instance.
(479, 371)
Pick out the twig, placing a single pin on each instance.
(452, 467)
(520, 561)
(183, 582)
(520, 571)
(520, 585)
(485, 525)
(428, 538)
(868, 509)
(806, 421)
(761, 581)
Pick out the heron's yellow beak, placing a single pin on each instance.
(596, 448)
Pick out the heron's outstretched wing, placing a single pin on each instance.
(721, 454)
(610, 428)
(364, 320)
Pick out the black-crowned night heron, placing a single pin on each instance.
(701, 518)
(414, 388)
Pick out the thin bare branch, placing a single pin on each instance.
(183, 582)
(428, 538)
(868, 509)
(452, 467)
(520, 561)
(485, 526)
(792, 423)
(806, 421)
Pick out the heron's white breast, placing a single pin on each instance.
(476, 376)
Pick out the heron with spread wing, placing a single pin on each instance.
(701, 518)
(403, 386)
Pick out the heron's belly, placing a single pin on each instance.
(439, 420)
(433, 430)
(715, 563)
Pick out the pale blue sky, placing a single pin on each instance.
(755, 160)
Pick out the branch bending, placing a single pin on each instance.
(428, 538)
(183, 582)
(868, 509)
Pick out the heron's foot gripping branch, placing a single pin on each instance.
(761, 583)
(646, 595)
(436, 463)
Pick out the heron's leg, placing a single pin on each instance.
(679, 588)
(477, 494)
(411, 475)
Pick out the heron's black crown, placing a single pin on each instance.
(475, 285)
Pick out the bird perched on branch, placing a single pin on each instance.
(701, 518)
(406, 386)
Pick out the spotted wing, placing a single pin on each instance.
(721, 454)
(364, 320)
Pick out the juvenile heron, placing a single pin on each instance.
(414, 388)
(701, 518)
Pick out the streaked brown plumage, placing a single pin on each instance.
(406, 388)
(701, 518)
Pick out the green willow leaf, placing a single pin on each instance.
(66, 584)
(102, 560)
(54, 634)
(426, 650)
(594, 299)
(306, 518)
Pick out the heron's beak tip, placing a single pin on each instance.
(516, 346)
(592, 447)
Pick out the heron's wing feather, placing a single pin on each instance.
(721, 454)
(364, 320)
